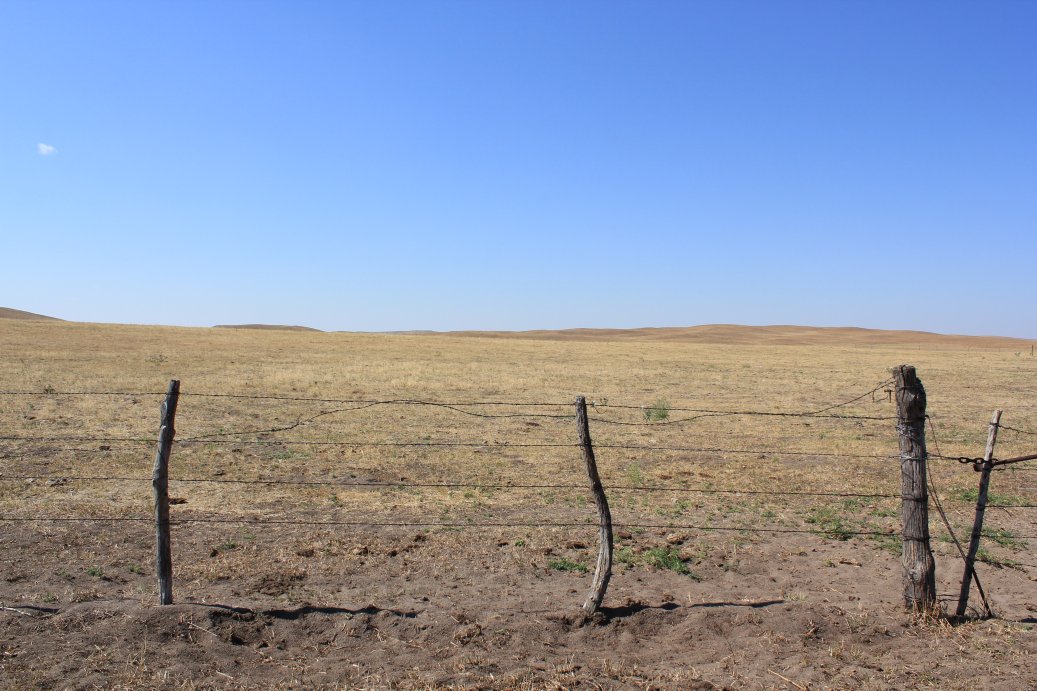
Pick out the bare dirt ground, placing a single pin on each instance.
(482, 609)
(266, 600)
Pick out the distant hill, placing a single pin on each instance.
(759, 335)
(720, 334)
(267, 327)
(8, 313)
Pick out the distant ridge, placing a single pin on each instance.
(8, 313)
(716, 334)
(266, 327)
(758, 335)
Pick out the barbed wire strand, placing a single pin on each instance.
(105, 440)
(1018, 431)
(449, 485)
(456, 405)
(449, 524)
(1009, 564)
(479, 485)
(454, 444)
(465, 524)
(708, 413)
(82, 393)
(454, 408)
(297, 423)
(792, 414)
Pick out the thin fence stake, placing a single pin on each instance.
(977, 524)
(603, 568)
(919, 567)
(160, 485)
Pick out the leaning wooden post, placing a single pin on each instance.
(160, 485)
(919, 568)
(603, 570)
(981, 507)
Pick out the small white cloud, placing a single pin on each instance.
(45, 149)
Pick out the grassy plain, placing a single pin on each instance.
(737, 455)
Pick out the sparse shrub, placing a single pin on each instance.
(658, 411)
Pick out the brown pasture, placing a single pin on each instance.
(313, 587)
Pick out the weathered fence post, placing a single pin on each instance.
(160, 485)
(603, 569)
(981, 507)
(919, 568)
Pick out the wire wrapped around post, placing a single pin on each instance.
(919, 567)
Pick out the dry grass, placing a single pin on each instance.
(963, 386)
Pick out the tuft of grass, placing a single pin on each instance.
(563, 564)
(668, 558)
(830, 521)
(1004, 562)
(625, 555)
(971, 496)
(635, 476)
(676, 510)
(983, 555)
(1005, 538)
(891, 543)
(658, 411)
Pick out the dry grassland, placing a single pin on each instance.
(56, 566)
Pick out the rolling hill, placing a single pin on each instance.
(8, 313)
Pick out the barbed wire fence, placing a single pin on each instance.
(266, 437)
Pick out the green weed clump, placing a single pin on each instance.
(668, 558)
(657, 412)
(971, 495)
(830, 522)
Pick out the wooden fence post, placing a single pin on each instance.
(160, 485)
(603, 569)
(981, 507)
(919, 568)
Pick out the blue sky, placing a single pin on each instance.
(516, 165)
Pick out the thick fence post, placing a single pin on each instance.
(919, 568)
(603, 569)
(981, 507)
(160, 485)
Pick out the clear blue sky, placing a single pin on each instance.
(515, 165)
